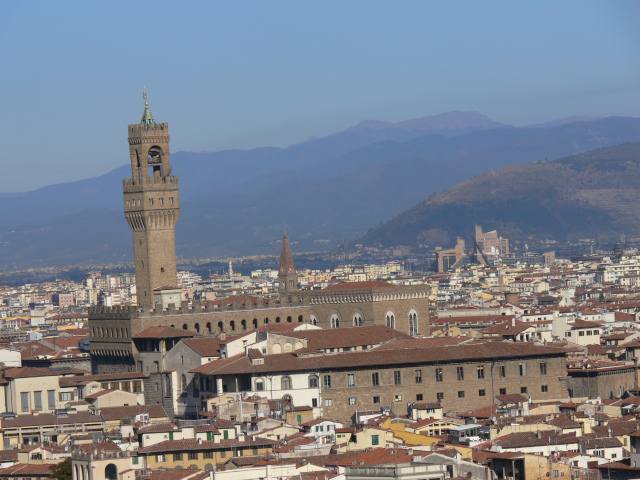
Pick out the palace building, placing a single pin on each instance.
(152, 208)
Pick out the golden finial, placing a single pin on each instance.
(144, 96)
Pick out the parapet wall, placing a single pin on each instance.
(123, 312)
(169, 182)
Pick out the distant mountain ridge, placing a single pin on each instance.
(593, 194)
(456, 121)
(325, 190)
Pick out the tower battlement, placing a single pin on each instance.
(148, 130)
(132, 185)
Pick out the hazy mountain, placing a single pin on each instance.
(593, 195)
(238, 201)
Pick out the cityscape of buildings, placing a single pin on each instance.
(498, 365)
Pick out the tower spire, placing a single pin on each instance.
(147, 118)
(287, 275)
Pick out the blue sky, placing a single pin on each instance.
(244, 74)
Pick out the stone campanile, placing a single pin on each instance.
(152, 207)
(287, 275)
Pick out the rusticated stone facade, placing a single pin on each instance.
(371, 303)
(399, 384)
(151, 207)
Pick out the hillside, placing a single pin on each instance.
(594, 194)
(325, 190)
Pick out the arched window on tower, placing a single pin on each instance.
(413, 323)
(313, 320)
(357, 320)
(335, 321)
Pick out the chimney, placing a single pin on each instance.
(513, 322)
(222, 336)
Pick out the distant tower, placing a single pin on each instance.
(230, 269)
(152, 207)
(287, 275)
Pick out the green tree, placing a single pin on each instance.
(62, 470)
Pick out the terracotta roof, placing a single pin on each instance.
(28, 372)
(290, 362)
(602, 442)
(507, 328)
(165, 332)
(206, 346)
(425, 343)
(510, 398)
(50, 419)
(27, 470)
(378, 456)
(530, 439)
(117, 413)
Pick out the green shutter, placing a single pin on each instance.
(209, 435)
(226, 434)
(134, 460)
(170, 435)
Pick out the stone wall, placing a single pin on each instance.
(396, 396)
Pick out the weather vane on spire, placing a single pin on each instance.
(144, 96)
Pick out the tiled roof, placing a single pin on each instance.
(50, 419)
(27, 470)
(27, 372)
(601, 442)
(531, 439)
(117, 413)
(617, 429)
(510, 398)
(206, 346)
(290, 362)
(378, 456)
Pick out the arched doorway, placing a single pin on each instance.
(111, 472)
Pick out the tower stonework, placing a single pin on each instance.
(151, 207)
(287, 275)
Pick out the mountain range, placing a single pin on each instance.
(592, 194)
(323, 190)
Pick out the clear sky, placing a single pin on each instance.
(241, 74)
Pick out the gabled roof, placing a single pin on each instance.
(205, 346)
(117, 413)
(511, 398)
(348, 337)
(291, 362)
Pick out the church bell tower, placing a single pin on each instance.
(151, 207)
(287, 275)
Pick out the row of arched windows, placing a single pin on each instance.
(286, 383)
(113, 332)
(234, 326)
(390, 321)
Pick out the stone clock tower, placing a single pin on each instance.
(152, 207)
